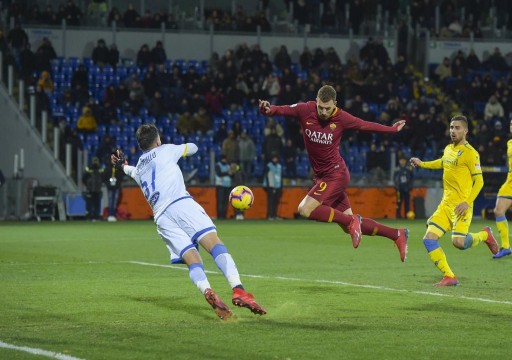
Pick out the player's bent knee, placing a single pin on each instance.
(498, 213)
(458, 242)
(303, 211)
(191, 256)
(209, 241)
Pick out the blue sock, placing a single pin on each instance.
(198, 276)
(468, 241)
(430, 244)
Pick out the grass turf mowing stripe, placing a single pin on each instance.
(40, 352)
(375, 287)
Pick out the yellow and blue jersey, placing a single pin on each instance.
(460, 164)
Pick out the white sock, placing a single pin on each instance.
(226, 264)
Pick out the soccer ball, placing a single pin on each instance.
(410, 215)
(241, 198)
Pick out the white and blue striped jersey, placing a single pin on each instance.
(159, 176)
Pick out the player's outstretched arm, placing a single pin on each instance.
(360, 124)
(433, 165)
(285, 110)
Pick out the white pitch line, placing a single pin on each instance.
(375, 287)
(41, 352)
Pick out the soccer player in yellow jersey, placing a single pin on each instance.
(462, 181)
(503, 202)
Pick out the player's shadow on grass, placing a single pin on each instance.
(173, 303)
(469, 311)
(303, 325)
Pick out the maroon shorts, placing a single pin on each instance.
(331, 190)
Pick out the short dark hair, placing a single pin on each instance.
(146, 135)
(460, 118)
(326, 93)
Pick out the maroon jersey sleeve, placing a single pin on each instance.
(286, 110)
(355, 123)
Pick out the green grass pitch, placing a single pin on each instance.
(95, 291)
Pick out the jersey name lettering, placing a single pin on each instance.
(146, 160)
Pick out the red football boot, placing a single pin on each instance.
(354, 229)
(242, 298)
(217, 304)
(448, 281)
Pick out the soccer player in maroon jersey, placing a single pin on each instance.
(323, 124)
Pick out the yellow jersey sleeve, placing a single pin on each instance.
(473, 163)
(472, 160)
(433, 165)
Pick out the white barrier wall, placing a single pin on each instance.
(38, 161)
(197, 46)
(438, 50)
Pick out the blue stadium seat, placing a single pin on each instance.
(479, 107)
(57, 62)
(136, 121)
(122, 141)
(101, 130)
(150, 119)
(121, 71)
(257, 168)
(180, 139)
(73, 61)
(115, 130)
(92, 139)
(237, 115)
(204, 171)
(431, 69)
(374, 108)
(94, 70)
(87, 62)
(302, 171)
(303, 75)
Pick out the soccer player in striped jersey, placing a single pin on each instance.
(503, 203)
(462, 181)
(323, 124)
(181, 222)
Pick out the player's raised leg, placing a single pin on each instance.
(474, 239)
(399, 236)
(313, 209)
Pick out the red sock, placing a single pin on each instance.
(372, 228)
(326, 213)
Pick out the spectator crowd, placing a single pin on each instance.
(202, 99)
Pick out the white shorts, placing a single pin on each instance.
(182, 225)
